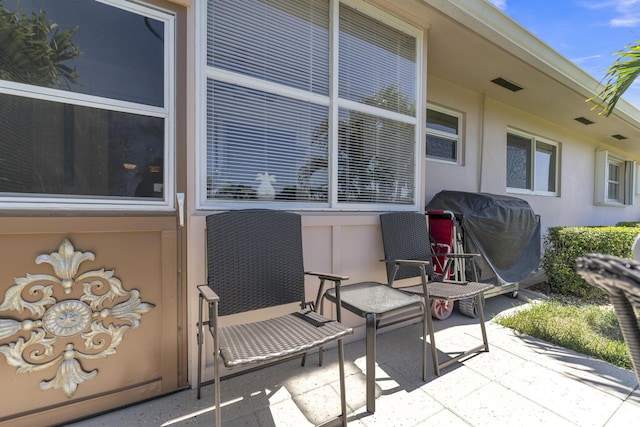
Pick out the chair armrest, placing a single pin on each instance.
(459, 255)
(326, 276)
(208, 294)
(410, 262)
(336, 279)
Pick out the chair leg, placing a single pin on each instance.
(432, 336)
(216, 374)
(424, 343)
(484, 347)
(480, 306)
(371, 361)
(343, 392)
(200, 338)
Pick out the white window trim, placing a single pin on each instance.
(203, 71)
(534, 139)
(97, 203)
(601, 188)
(458, 138)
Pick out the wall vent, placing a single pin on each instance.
(506, 84)
(583, 120)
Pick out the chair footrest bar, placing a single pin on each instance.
(475, 350)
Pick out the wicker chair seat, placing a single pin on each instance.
(451, 291)
(277, 338)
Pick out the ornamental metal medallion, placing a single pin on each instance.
(52, 324)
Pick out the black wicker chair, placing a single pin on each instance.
(620, 279)
(408, 254)
(254, 260)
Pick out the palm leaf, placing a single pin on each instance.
(619, 78)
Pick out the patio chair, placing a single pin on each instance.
(254, 261)
(408, 254)
(620, 279)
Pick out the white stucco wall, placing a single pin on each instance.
(484, 160)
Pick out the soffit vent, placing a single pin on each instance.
(619, 137)
(583, 120)
(506, 84)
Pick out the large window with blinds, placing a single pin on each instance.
(308, 103)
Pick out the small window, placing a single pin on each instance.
(532, 164)
(614, 180)
(443, 135)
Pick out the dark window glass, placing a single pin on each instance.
(50, 148)
(442, 122)
(441, 148)
(545, 167)
(518, 162)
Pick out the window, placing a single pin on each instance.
(282, 127)
(443, 135)
(532, 164)
(89, 126)
(615, 178)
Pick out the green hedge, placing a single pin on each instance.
(628, 224)
(563, 245)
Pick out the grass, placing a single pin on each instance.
(586, 328)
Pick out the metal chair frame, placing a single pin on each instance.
(255, 261)
(408, 254)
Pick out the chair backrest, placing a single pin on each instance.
(405, 236)
(441, 225)
(620, 278)
(254, 259)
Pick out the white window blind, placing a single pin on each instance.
(253, 132)
(280, 41)
(377, 67)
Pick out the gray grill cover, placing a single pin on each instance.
(503, 230)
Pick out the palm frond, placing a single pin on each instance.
(619, 78)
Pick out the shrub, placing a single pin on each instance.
(628, 224)
(562, 245)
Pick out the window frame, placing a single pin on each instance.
(458, 138)
(332, 101)
(626, 180)
(25, 201)
(534, 140)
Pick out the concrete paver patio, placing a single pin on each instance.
(521, 381)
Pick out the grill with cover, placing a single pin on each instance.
(504, 230)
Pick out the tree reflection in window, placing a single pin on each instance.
(34, 50)
(375, 154)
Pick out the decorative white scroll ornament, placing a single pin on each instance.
(52, 324)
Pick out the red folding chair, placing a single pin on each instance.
(443, 241)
